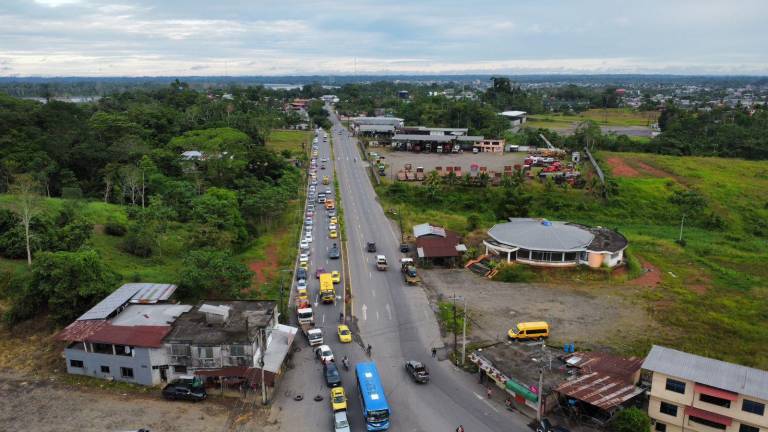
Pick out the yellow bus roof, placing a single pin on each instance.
(532, 324)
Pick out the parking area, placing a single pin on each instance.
(591, 317)
(33, 404)
(493, 161)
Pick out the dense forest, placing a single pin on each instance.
(170, 157)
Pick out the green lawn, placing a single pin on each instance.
(289, 140)
(714, 287)
(608, 117)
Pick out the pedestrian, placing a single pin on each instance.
(460, 428)
(489, 392)
(434, 352)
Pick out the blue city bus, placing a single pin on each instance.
(372, 398)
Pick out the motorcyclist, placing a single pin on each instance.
(341, 316)
(345, 362)
(368, 350)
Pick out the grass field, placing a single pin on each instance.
(714, 287)
(280, 140)
(607, 117)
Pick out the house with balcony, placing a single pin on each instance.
(121, 337)
(694, 393)
(230, 343)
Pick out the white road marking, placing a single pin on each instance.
(365, 312)
(485, 401)
(373, 291)
(323, 318)
(389, 312)
(370, 275)
(377, 315)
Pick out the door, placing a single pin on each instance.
(164, 373)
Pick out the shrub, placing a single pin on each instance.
(139, 241)
(513, 273)
(631, 420)
(115, 228)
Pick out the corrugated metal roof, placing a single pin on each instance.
(377, 120)
(513, 113)
(427, 229)
(151, 314)
(112, 302)
(541, 235)
(473, 138)
(433, 138)
(599, 389)
(438, 247)
(716, 373)
(152, 292)
(376, 128)
(79, 331)
(143, 336)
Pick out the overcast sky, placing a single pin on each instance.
(290, 37)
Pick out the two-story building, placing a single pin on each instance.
(223, 341)
(694, 393)
(121, 337)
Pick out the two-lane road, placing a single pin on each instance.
(397, 320)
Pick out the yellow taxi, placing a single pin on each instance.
(333, 234)
(334, 220)
(335, 276)
(338, 399)
(345, 335)
(304, 265)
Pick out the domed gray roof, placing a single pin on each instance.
(542, 235)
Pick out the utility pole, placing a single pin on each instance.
(464, 337)
(541, 394)
(680, 239)
(263, 343)
(455, 336)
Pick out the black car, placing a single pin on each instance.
(546, 426)
(371, 247)
(334, 252)
(417, 371)
(301, 273)
(404, 247)
(332, 375)
(184, 391)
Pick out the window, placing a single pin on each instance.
(123, 350)
(102, 348)
(747, 428)
(753, 407)
(571, 256)
(180, 350)
(126, 372)
(76, 363)
(205, 352)
(105, 369)
(675, 386)
(660, 427)
(668, 409)
(715, 400)
(706, 422)
(237, 350)
(180, 369)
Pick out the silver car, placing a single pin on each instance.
(340, 423)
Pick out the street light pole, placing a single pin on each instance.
(455, 336)
(464, 337)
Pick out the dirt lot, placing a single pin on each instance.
(42, 405)
(494, 161)
(589, 317)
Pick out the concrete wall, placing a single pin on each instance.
(92, 363)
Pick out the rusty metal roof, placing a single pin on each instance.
(142, 336)
(599, 389)
(618, 367)
(79, 331)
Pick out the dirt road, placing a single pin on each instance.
(40, 405)
(597, 319)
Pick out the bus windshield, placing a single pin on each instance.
(378, 416)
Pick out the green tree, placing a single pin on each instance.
(226, 152)
(26, 204)
(433, 185)
(219, 209)
(631, 420)
(513, 202)
(212, 274)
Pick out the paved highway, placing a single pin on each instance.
(394, 318)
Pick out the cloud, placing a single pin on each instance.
(174, 37)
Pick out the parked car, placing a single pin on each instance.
(333, 234)
(303, 245)
(338, 399)
(335, 276)
(184, 391)
(324, 353)
(404, 248)
(417, 371)
(332, 375)
(328, 192)
(301, 273)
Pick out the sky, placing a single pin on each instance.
(323, 37)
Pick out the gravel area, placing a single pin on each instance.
(30, 404)
(595, 317)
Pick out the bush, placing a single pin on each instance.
(513, 273)
(140, 241)
(115, 228)
(631, 420)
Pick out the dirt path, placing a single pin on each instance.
(43, 405)
(620, 168)
(650, 278)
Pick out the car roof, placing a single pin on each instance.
(324, 348)
(415, 363)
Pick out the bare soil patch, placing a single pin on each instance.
(651, 169)
(31, 404)
(651, 276)
(595, 317)
(620, 168)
